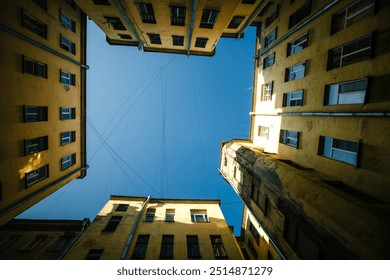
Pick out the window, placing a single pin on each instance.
(34, 67)
(68, 161)
(269, 60)
(116, 23)
(350, 53)
(248, 1)
(235, 22)
(252, 249)
(294, 98)
(146, 13)
(6, 243)
(101, 2)
(34, 113)
(67, 45)
(67, 22)
(353, 13)
(295, 72)
(178, 40)
(298, 44)
(260, 199)
(199, 216)
(255, 233)
(68, 137)
(290, 138)
(300, 241)
(67, 78)
(140, 247)
(166, 250)
(218, 248)
(154, 39)
(263, 131)
(272, 16)
(113, 223)
(94, 254)
(300, 14)
(67, 113)
(208, 18)
(338, 149)
(150, 213)
(61, 243)
(178, 15)
(270, 38)
(125, 36)
(34, 25)
(122, 207)
(193, 250)
(41, 3)
(35, 145)
(71, 3)
(34, 243)
(266, 91)
(201, 42)
(34, 176)
(170, 215)
(352, 92)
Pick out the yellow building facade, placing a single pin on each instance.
(150, 228)
(22, 239)
(314, 170)
(191, 27)
(43, 101)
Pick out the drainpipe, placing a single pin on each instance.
(292, 31)
(123, 13)
(45, 188)
(39, 45)
(136, 222)
(250, 212)
(337, 114)
(191, 27)
(86, 223)
(251, 18)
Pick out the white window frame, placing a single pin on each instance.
(67, 78)
(67, 22)
(349, 18)
(289, 137)
(66, 113)
(67, 137)
(68, 161)
(291, 96)
(292, 75)
(332, 151)
(263, 131)
(270, 38)
(199, 216)
(67, 45)
(333, 90)
(170, 215)
(291, 47)
(266, 91)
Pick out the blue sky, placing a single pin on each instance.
(162, 118)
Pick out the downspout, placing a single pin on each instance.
(191, 27)
(136, 222)
(292, 31)
(85, 224)
(39, 45)
(123, 13)
(337, 114)
(45, 188)
(251, 18)
(250, 211)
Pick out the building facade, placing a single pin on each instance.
(43, 101)
(22, 239)
(150, 228)
(314, 170)
(191, 27)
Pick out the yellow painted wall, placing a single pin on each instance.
(114, 243)
(20, 89)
